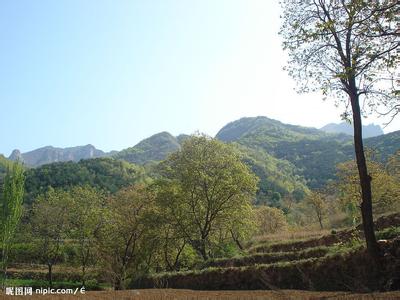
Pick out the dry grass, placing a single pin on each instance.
(291, 235)
(170, 294)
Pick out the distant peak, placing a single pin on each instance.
(369, 130)
(15, 155)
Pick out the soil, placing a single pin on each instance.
(172, 294)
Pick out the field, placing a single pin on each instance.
(171, 294)
(327, 262)
(302, 266)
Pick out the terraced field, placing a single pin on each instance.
(333, 262)
(330, 262)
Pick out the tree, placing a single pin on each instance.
(270, 220)
(11, 211)
(124, 243)
(85, 221)
(347, 48)
(204, 185)
(393, 165)
(242, 225)
(316, 201)
(385, 188)
(50, 226)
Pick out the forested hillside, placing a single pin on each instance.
(278, 178)
(154, 148)
(106, 174)
(4, 164)
(314, 153)
(288, 159)
(207, 209)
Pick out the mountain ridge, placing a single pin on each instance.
(281, 140)
(370, 130)
(50, 154)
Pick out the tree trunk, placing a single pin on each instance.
(365, 182)
(50, 274)
(118, 284)
(236, 240)
(320, 222)
(120, 280)
(83, 274)
(201, 248)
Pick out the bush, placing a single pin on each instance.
(270, 220)
(388, 233)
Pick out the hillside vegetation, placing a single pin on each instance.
(155, 148)
(211, 214)
(105, 174)
(314, 153)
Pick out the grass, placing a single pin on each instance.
(266, 258)
(295, 269)
(291, 235)
(284, 261)
(388, 233)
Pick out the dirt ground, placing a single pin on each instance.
(172, 294)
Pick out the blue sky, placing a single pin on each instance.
(111, 73)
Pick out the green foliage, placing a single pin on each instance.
(287, 153)
(154, 148)
(331, 47)
(50, 226)
(4, 165)
(388, 233)
(10, 211)
(86, 220)
(317, 202)
(268, 258)
(385, 145)
(277, 177)
(270, 220)
(105, 174)
(385, 188)
(204, 186)
(348, 246)
(284, 155)
(125, 242)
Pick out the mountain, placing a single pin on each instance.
(155, 148)
(278, 178)
(385, 145)
(370, 130)
(313, 152)
(51, 154)
(286, 157)
(251, 128)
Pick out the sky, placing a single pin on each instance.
(113, 72)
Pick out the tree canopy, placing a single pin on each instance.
(347, 49)
(205, 184)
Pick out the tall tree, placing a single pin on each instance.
(51, 226)
(205, 187)
(124, 243)
(347, 48)
(317, 203)
(11, 211)
(86, 221)
(385, 187)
